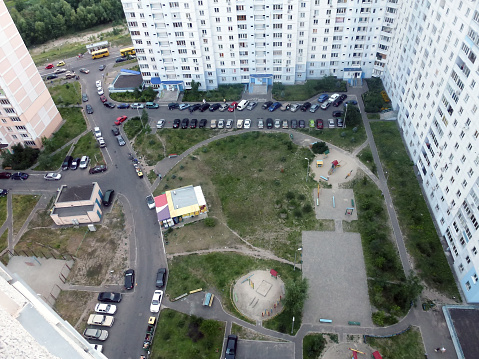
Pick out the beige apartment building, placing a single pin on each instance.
(27, 111)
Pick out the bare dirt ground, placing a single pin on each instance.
(250, 334)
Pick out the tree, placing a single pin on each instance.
(296, 294)
(353, 116)
(320, 147)
(20, 158)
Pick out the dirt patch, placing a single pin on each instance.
(71, 306)
(250, 334)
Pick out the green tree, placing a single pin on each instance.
(296, 294)
(20, 158)
(319, 147)
(353, 116)
(144, 117)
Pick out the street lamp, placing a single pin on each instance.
(307, 169)
(299, 249)
(292, 328)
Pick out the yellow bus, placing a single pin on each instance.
(127, 51)
(100, 53)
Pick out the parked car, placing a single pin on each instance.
(312, 123)
(319, 124)
(343, 96)
(84, 71)
(229, 124)
(183, 106)
(223, 107)
(105, 308)
(285, 106)
(97, 132)
(100, 91)
(67, 163)
(338, 113)
(251, 105)
(231, 344)
(101, 142)
(325, 105)
(176, 123)
(337, 102)
(340, 122)
(84, 97)
(277, 123)
(331, 123)
(214, 107)
(96, 334)
(233, 106)
(103, 98)
(294, 124)
(160, 277)
(194, 107)
(60, 63)
(193, 123)
(120, 120)
(295, 107)
(109, 104)
(102, 67)
(3, 192)
(89, 109)
(305, 106)
(333, 97)
(85, 160)
(100, 320)
(213, 124)
(121, 140)
(123, 105)
(247, 123)
(51, 77)
(203, 123)
(314, 108)
(59, 71)
(204, 107)
(269, 123)
(137, 105)
(69, 75)
(98, 83)
(129, 279)
(108, 197)
(173, 105)
(121, 59)
(184, 123)
(323, 98)
(260, 123)
(109, 297)
(266, 105)
(285, 124)
(221, 123)
(52, 176)
(160, 123)
(97, 169)
(156, 301)
(115, 131)
(49, 66)
(150, 201)
(301, 124)
(5, 175)
(152, 105)
(274, 106)
(19, 176)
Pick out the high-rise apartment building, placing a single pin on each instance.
(431, 78)
(27, 111)
(222, 42)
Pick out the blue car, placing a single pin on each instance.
(323, 98)
(123, 105)
(274, 106)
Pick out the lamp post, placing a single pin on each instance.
(307, 169)
(292, 327)
(299, 249)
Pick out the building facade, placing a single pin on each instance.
(431, 78)
(223, 42)
(27, 111)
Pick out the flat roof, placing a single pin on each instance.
(463, 324)
(127, 80)
(183, 197)
(75, 193)
(72, 211)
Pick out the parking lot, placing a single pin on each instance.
(257, 349)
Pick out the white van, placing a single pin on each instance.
(242, 105)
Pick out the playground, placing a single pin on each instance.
(333, 168)
(335, 204)
(257, 295)
(348, 350)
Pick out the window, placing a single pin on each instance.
(468, 286)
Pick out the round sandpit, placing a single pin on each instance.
(257, 295)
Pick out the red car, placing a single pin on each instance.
(103, 98)
(49, 66)
(232, 107)
(319, 124)
(120, 120)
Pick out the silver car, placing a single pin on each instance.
(229, 124)
(294, 107)
(160, 123)
(121, 141)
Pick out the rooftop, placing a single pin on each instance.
(75, 193)
(72, 211)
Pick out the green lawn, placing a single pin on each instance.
(366, 157)
(345, 138)
(231, 92)
(88, 146)
(73, 126)
(66, 94)
(47, 162)
(22, 206)
(415, 220)
(307, 90)
(3, 209)
(408, 345)
(4, 240)
(180, 336)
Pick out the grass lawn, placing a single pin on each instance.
(54, 161)
(59, 52)
(180, 336)
(87, 145)
(124, 63)
(70, 304)
(66, 94)
(149, 146)
(307, 90)
(218, 271)
(313, 346)
(366, 157)
(231, 92)
(4, 240)
(408, 345)
(3, 209)
(22, 206)
(73, 126)
(414, 218)
(345, 138)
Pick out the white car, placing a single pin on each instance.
(260, 123)
(333, 97)
(239, 123)
(277, 123)
(229, 123)
(101, 320)
(52, 176)
(150, 201)
(105, 308)
(294, 107)
(97, 132)
(183, 106)
(160, 123)
(221, 123)
(137, 105)
(98, 83)
(101, 142)
(156, 301)
(247, 123)
(100, 91)
(331, 123)
(85, 160)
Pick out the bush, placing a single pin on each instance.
(210, 222)
(320, 147)
(20, 158)
(313, 345)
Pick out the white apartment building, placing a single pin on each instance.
(258, 42)
(27, 111)
(431, 78)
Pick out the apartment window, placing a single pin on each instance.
(29, 143)
(474, 250)
(468, 286)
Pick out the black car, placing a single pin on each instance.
(194, 107)
(51, 77)
(176, 123)
(102, 67)
(204, 107)
(89, 109)
(109, 297)
(121, 59)
(294, 124)
(75, 163)
(123, 105)
(231, 344)
(19, 176)
(214, 107)
(184, 123)
(160, 277)
(301, 124)
(266, 105)
(173, 105)
(343, 97)
(115, 131)
(305, 106)
(193, 123)
(203, 123)
(4, 192)
(108, 197)
(129, 279)
(84, 97)
(337, 113)
(109, 104)
(67, 162)
(97, 169)
(337, 102)
(269, 123)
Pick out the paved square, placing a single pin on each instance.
(248, 349)
(342, 201)
(334, 265)
(264, 288)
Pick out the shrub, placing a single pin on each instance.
(320, 147)
(21, 157)
(210, 222)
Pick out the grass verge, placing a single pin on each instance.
(4, 240)
(87, 145)
(231, 92)
(52, 162)
(407, 345)
(3, 210)
(366, 157)
(180, 336)
(414, 218)
(70, 304)
(344, 138)
(22, 206)
(66, 94)
(307, 90)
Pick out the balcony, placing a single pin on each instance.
(463, 67)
